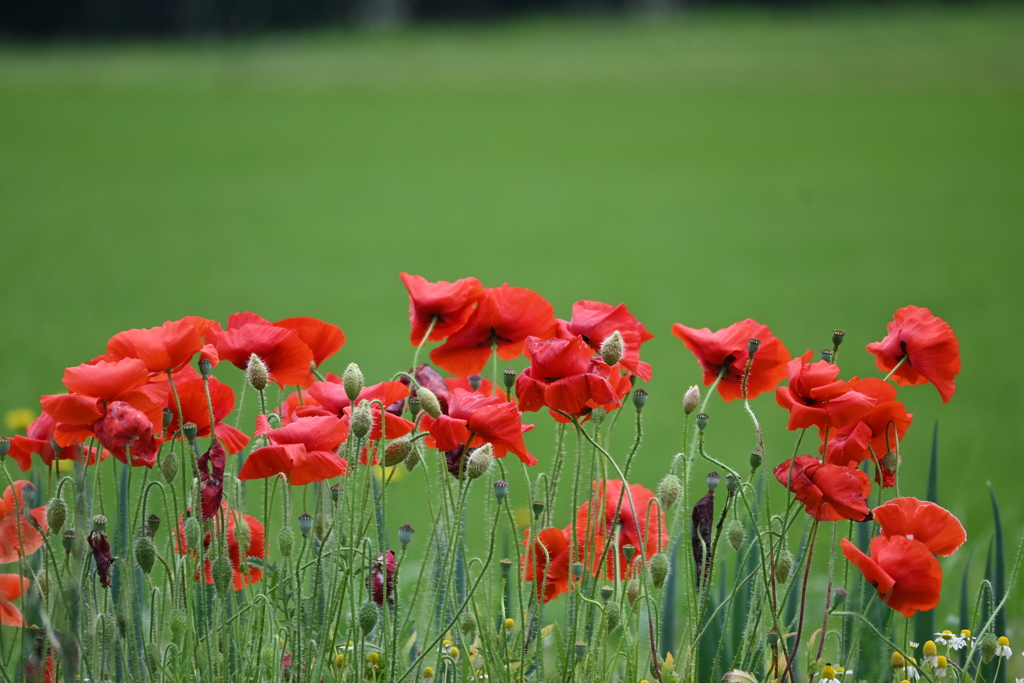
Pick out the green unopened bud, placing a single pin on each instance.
(106, 630)
(169, 466)
(753, 345)
(633, 591)
(756, 458)
(691, 399)
(838, 598)
(737, 534)
(5, 446)
(500, 489)
(469, 625)
(305, 524)
(702, 422)
(362, 420)
(509, 378)
(628, 551)
(285, 541)
(989, 644)
(396, 452)
(538, 507)
(352, 379)
(178, 622)
(890, 461)
(56, 514)
(732, 483)
(607, 592)
(480, 461)
(168, 416)
(613, 615)
(837, 337)
(826, 355)
(99, 523)
(153, 658)
(67, 540)
(639, 399)
(429, 402)
(153, 524)
(367, 617)
(222, 575)
(577, 570)
(243, 534)
(320, 526)
(145, 553)
(256, 373)
(190, 430)
(669, 491)
(581, 649)
(412, 459)
(713, 480)
(783, 566)
(205, 367)
(612, 348)
(659, 569)
(193, 533)
(405, 533)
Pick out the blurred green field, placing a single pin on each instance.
(810, 170)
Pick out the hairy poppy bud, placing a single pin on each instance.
(702, 422)
(405, 533)
(362, 420)
(475, 381)
(753, 345)
(243, 535)
(783, 566)
(320, 526)
(106, 630)
(469, 625)
(756, 458)
(99, 522)
(222, 575)
(613, 615)
(691, 399)
(500, 489)
(352, 380)
(367, 617)
(890, 461)
(639, 399)
(205, 367)
(713, 480)
(169, 466)
(193, 533)
(659, 569)
(153, 657)
(256, 373)
(989, 644)
(56, 514)
(837, 337)
(153, 524)
(612, 348)
(412, 459)
(826, 355)
(737, 534)
(305, 524)
(429, 402)
(669, 491)
(480, 461)
(168, 416)
(509, 378)
(285, 541)
(396, 452)
(190, 430)
(633, 591)
(5, 446)
(178, 622)
(145, 553)
(581, 649)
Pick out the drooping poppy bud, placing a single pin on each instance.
(396, 452)
(222, 575)
(736, 533)
(428, 402)
(480, 461)
(145, 553)
(659, 569)
(691, 399)
(362, 420)
(612, 348)
(286, 541)
(56, 514)
(669, 491)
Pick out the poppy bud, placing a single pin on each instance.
(396, 452)
(285, 541)
(367, 617)
(890, 461)
(581, 650)
(193, 533)
(826, 355)
(737, 534)
(538, 507)
(153, 657)
(752, 346)
(606, 593)
(577, 570)
(500, 489)
(732, 483)
(713, 480)
(178, 623)
(5, 446)
(628, 551)
(669, 491)
(691, 399)
(756, 458)
(480, 461)
(67, 540)
(612, 613)
(783, 566)
(145, 553)
(205, 367)
(190, 430)
(989, 643)
(222, 575)
(319, 527)
(56, 514)
(352, 380)
(153, 523)
(469, 625)
(509, 377)
(659, 569)
(335, 493)
(169, 467)
(243, 535)
(362, 420)
(411, 460)
(429, 402)
(639, 399)
(633, 591)
(99, 522)
(305, 524)
(612, 348)
(168, 416)
(106, 630)
(702, 422)
(405, 533)
(256, 373)
(837, 337)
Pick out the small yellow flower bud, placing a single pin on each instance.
(374, 658)
(828, 672)
(898, 662)
(339, 660)
(510, 624)
(428, 672)
(929, 649)
(454, 652)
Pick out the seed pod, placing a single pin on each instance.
(500, 489)
(756, 458)
(305, 524)
(639, 399)
(429, 402)
(153, 524)
(352, 380)
(169, 467)
(606, 593)
(99, 523)
(396, 452)
(190, 430)
(612, 348)
(509, 377)
(669, 491)
(362, 420)
(56, 514)
(222, 575)
(737, 534)
(5, 446)
(285, 541)
(633, 591)
(193, 533)
(581, 649)
(256, 373)
(145, 553)
(205, 367)
(783, 566)
(67, 540)
(659, 569)
(367, 617)
(713, 480)
(480, 461)
(405, 533)
(612, 615)
(702, 422)
(178, 622)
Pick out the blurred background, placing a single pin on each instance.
(810, 165)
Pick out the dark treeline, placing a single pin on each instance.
(34, 19)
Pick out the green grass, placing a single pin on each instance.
(810, 170)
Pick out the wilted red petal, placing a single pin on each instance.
(125, 431)
(934, 526)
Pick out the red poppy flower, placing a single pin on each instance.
(304, 450)
(383, 570)
(596, 321)
(903, 571)
(828, 492)
(323, 339)
(286, 356)
(33, 524)
(934, 526)
(487, 418)
(192, 395)
(485, 387)
(12, 587)
(726, 350)
(547, 562)
(39, 439)
(166, 348)
(929, 346)
(879, 431)
(564, 375)
(243, 573)
(503, 319)
(449, 303)
(816, 398)
(128, 434)
(647, 531)
(333, 400)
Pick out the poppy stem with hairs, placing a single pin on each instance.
(828, 590)
(895, 368)
(426, 336)
(803, 605)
